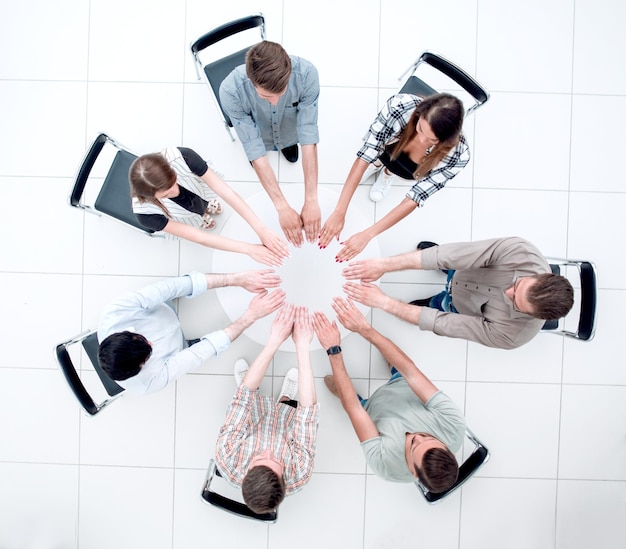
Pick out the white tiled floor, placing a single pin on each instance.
(546, 165)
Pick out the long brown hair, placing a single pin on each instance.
(444, 113)
(149, 174)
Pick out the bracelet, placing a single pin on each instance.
(334, 350)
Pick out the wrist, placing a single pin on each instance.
(333, 350)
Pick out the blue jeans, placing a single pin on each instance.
(394, 375)
(443, 300)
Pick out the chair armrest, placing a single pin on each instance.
(73, 380)
(85, 169)
(228, 29)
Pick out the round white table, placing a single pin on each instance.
(310, 276)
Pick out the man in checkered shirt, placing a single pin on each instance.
(267, 447)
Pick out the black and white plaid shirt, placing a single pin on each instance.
(389, 123)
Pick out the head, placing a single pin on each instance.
(546, 296)
(152, 178)
(263, 487)
(436, 123)
(431, 462)
(268, 67)
(121, 355)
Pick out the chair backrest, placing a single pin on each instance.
(89, 341)
(230, 505)
(215, 72)
(417, 86)
(474, 461)
(586, 325)
(114, 195)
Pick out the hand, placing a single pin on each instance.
(303, 327)
(274, 243)
(365, 270)
(260, 253)
(291, 224)
(365, 293)
(353, 246)
(327, 332)
(265, 303)
(349, 315)
(331, 229)
(257, 281)
(283, 323)
(311, 219)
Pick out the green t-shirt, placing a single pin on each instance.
(397, 410)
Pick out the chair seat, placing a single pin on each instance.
(415, 86)
(114, 197)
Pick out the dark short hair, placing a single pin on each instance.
(551, 296)
(268, 66)
(439, 470)
(122, 354)
(262, 489)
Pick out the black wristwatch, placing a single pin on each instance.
(334, 350)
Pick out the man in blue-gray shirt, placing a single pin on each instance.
(272, 103)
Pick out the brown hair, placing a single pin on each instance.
(439, 470)
(444, 113)
(149, 174)
(551, 296)
(262, 489)
(268, 66)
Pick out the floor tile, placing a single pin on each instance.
(33, 517)
(112, 495)
(589, 411)
(497, 509)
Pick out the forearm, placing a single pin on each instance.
(306, 383)
(268, 180)
(221, 280)
(349, 187)
(258, 368)
(394, 216)
(238, 326)
(310, 170)
(390, 351)
(404, 311)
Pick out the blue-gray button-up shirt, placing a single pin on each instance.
(262, 126)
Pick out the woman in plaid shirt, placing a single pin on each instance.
(415, 138)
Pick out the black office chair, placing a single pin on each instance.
(417, 86)
(114, 195)
(215, 71)
(230, 505)
(586, 326)
(474, 461)
(89, 341)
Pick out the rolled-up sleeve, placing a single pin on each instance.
(235, 102)
(308, 133)
(443, 172)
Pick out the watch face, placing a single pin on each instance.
(334, 350)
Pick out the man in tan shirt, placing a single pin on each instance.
(499, 291)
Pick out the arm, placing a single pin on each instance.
(253, 281)
(311, 214)
(328, 335)
(261, 305)
(272, 241)
(368, 270)
(257, 252)
(355, 244)
(334, 224)
(302, 335)
(290, 221)
(280, 330)
(354, 321)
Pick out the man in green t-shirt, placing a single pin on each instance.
(408, 429)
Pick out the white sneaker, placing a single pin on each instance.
(289, 390)
(372, 169)
(241, 367)
(381, 186)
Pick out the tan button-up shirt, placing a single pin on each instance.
(484, 270)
